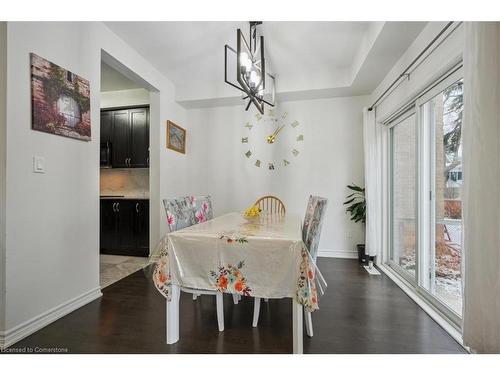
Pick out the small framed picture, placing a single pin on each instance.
(176, 137)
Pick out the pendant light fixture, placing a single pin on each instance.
(251, 74)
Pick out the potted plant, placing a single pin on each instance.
(356, 207)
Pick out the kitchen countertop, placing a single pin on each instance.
(132, 197)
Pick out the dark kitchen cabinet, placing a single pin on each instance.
(106, 126)
(141, 225)
(125, 230)
(127, 131)
(120, 141)
(109, 229)
(124, 227)
(139, 136)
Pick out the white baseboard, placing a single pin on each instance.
(345, 254)
(17, 333)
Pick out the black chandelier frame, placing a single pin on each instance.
(255, 52)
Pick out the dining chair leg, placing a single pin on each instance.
(309, 324)
(220, 310)
(297, 333)
(256, 311)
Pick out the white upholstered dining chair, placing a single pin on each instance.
(183, 212)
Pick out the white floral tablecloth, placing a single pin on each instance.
(260, 257)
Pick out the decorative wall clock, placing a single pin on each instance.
(272, 141)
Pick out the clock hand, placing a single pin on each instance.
(278, 130)
(271, 138)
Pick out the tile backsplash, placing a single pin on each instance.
(132, 182)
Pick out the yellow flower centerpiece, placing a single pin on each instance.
(252, 211)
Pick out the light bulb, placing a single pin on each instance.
(246, 63)
(254, 78)
(243, 57)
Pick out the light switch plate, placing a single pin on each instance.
(38, 164)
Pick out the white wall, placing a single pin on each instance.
(52, 247)
(332, 157)
(51, 218)
(3, 88)
(124, 98)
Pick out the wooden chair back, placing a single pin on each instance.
(271, 204)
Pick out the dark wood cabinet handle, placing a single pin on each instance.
(114, 207)
(137, 207)
(118, 207)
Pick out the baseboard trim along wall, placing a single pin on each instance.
(30, 326)
(345, 254)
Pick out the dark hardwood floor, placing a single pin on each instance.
(358, 314)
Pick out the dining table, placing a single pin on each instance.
(263, 256)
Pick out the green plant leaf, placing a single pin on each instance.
(355, 188)
(356, 202)
(349, 201)
(356, 205)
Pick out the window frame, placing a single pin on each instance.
(425, 197)
(427, 175)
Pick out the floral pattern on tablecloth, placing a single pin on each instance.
(233, 238)
(305, 284)
(230, 279)
(161, 274)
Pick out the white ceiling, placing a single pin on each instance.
(310, 59)
(112, 80)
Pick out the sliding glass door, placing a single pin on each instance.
(425, 180)
(441, 116)
(403, 201)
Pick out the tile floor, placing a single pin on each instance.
(116, 267)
